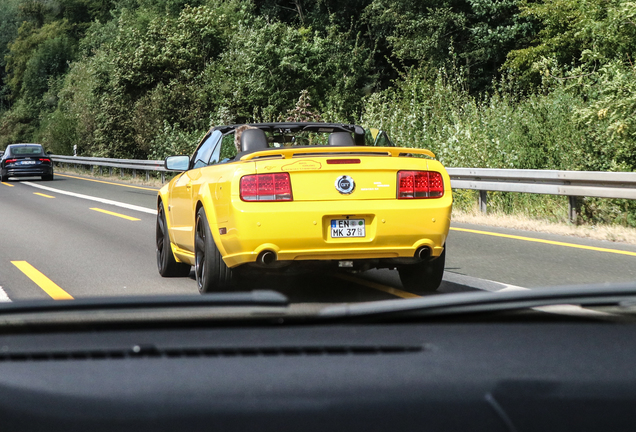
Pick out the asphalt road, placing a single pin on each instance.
(80, 237)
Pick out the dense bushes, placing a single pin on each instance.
(147, 78)
(498, 131)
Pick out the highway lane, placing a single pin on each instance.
(560, 260)
(86, 248)
(84, 251)
(88, 252)
(508, 260)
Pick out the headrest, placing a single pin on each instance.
(341, 139)
(253, 140)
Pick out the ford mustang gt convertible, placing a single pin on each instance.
(285, 197)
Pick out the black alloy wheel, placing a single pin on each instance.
(166, 263)
(212, 274)
(424, 276)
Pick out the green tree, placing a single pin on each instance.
(474, 34)
(9, 23)
(50, 60)
(26, 45)
(588, 46)
(611, 117)
(266, 66)
(576, 38)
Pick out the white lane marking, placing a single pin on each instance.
(512, 288)
(92, 198)
(3, 296)
(573, 310)
(492, 286)
(478, 283)
(560, 309)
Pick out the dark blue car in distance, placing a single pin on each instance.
(25, 160)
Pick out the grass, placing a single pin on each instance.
(547, 213)
(613, 233)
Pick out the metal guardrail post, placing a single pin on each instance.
(574, 209)
(483, 201)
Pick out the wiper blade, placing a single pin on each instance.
(238, 299)
(473, 302)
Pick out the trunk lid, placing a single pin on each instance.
(344, 173)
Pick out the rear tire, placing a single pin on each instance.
(424, 276)
(47, 177)
(4, 178)
(166, 263)
(212, 274)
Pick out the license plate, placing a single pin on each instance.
(27, 163)
(343, 228)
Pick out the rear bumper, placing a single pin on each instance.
(301, 230)
(27, 171)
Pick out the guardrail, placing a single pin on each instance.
(573, 184)
(133, 165)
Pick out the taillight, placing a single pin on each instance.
(266, 187)
(8, 161)
(420, 184)
(342, 161)
(45, 160)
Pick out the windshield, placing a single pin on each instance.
(235, 146)
(26, 150)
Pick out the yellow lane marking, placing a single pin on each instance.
(550, 242)
(377, 286)
(7, 184)
(116, 214)
(43, 195)
(110, 183)
(42, 281)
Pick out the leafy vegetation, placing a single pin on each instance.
(547, 84)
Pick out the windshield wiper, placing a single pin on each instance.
(238, 299)
(475, 302)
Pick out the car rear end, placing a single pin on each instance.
(26, 161)
(353, 206)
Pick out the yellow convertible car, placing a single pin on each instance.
(279, 197)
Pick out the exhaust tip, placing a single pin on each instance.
(266, 257)
(423, 253)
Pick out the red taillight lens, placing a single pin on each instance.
(420, 184)
(266, 187)
(8, 161)
(45, 160)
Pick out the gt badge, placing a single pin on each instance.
(345, 185)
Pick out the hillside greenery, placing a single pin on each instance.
(545, 84)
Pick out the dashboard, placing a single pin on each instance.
(448, 376)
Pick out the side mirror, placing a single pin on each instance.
(177, 163)
(49, 152)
